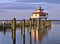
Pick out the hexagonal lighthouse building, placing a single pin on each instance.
(39, 14)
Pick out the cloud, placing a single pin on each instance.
(17, 5)
(33, 1)
(12, 9)
(30, 5)
(48, 1)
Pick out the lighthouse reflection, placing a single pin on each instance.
(37, 35)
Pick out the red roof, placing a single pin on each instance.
(43, 13)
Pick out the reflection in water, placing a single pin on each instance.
(23, 32)
(38, 34)
(35, 34)
(4, 31)
(14, 41)
(30, 37)
(23, 36)
(14, 36)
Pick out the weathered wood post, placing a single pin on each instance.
(39, 23)
(14, 30)
(4, 25)
(30, 23)
(33, 23)
(14, 24)
(30, 31)
(4, 29)
(23, 31)
(21, 25)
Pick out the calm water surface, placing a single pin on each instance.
(48, 35)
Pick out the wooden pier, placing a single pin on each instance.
(33, 27)
(19, 23)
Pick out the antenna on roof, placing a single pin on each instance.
(40, 8)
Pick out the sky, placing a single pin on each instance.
(48, 1)
(24, 8)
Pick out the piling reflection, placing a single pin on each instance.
(13, 36)
(4, 31)
(38, 33)
(30, 37)
(23, 36)
(23, 32)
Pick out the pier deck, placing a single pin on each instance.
(19, 23)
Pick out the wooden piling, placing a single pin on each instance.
(23, 31)
(39, 23)
(33, 23)
(4, 25)
(30, 22)
(14, 28)
(14, 24)
(4, 28)
(21, 26)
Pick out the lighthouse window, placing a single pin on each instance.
(42, 15)
(35, 14)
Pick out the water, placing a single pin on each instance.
(48, 35)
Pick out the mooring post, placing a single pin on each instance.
(23, 31)
(30, 31)
(39, 23)
(4, 25)
(30, 23)
(45, 23)
(33, 23)
(4, 28)
(21, 25)
(14, 28)
(14, 24)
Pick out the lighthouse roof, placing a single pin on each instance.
(41, 13)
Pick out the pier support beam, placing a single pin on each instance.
(14, 30)
(30, 25)
(39, 23)
(4, 25)
(14, 24)
(23, 31)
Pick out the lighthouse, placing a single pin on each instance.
(39, 14)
